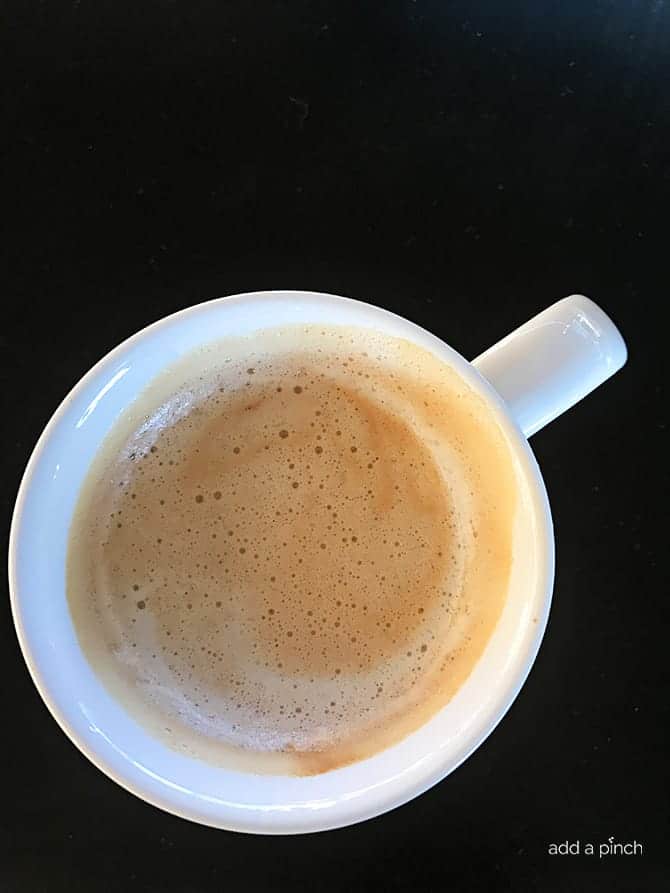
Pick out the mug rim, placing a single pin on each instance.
(543, 537)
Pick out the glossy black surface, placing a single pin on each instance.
(463, 164)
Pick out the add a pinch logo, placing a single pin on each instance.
(610, 847)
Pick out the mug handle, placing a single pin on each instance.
(549, 363)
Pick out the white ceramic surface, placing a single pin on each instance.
(541, 370)
(559, 356)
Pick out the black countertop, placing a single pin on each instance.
(463, 164)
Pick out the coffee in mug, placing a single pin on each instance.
(292, 548)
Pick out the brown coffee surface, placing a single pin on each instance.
(293, 549)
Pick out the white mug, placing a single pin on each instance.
(529, 378)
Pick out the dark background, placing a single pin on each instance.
(461, 163)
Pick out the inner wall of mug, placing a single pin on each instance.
(107, 734)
